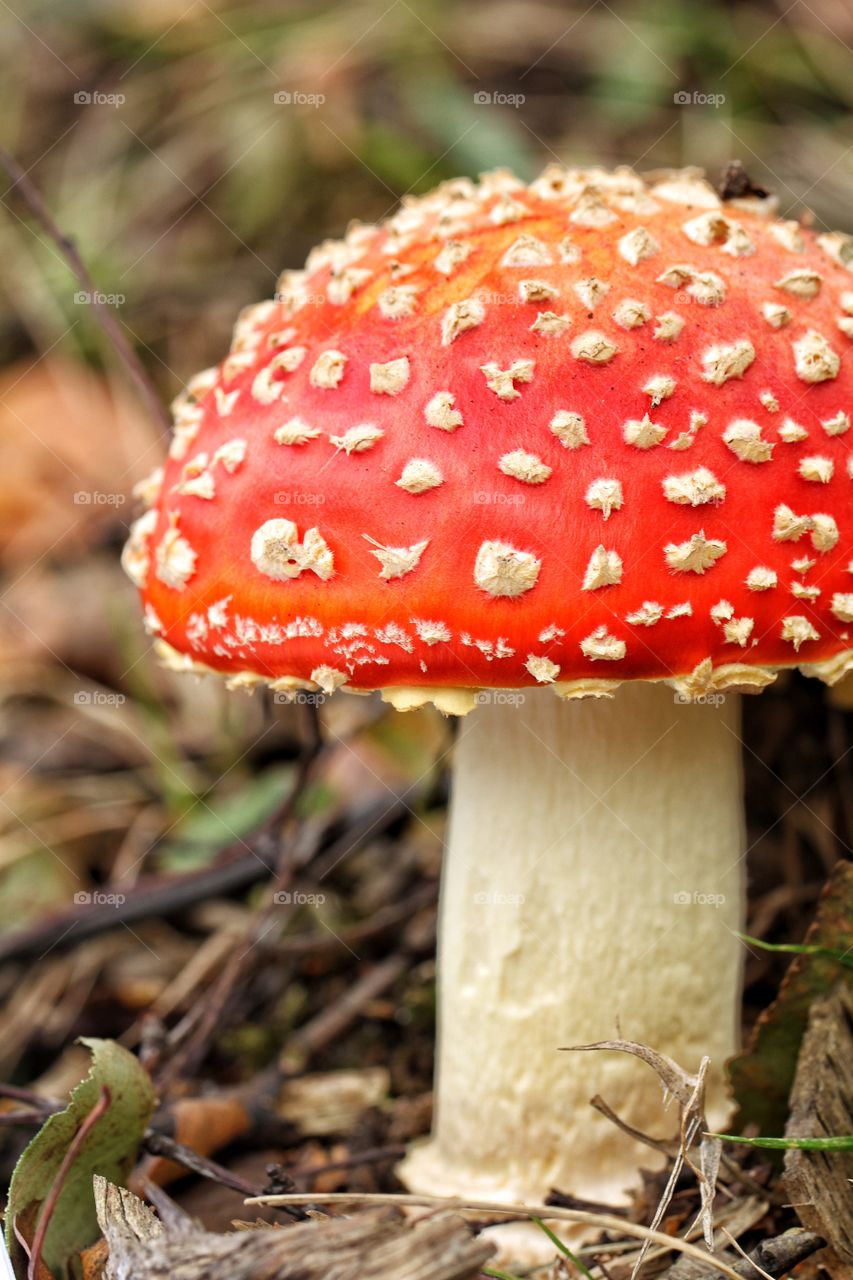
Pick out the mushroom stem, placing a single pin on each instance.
(593, 888)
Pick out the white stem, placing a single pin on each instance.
(592, 889)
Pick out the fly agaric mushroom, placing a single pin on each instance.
(548, 439)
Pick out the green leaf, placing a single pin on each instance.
(109, 1149)
(790, 1144)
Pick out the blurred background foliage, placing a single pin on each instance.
(161, 136)
(198, 187)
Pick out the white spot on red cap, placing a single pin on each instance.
(746, 441)
(803, 283)
(791, 432)
(502, 381)
(542, 669)
(696, 555)
(569, 428)
(174, 558)
(439, 412)
(358, 439)
(459, 317)
(814, 358)
(668, 327)
(818, 469)
(659, 388)
(798, 630)
(601, 646)
(390, 378)
(295, 431)
(594, 347)
(825, 533)
(549, 324)
(631, 314)
(761, 578)
(604, 569)
(788, 526)
(649, 614)
(604, 495)
(135, 558)
(397, 561)
(537, 291)
(398, 301)
(642, 433)
(452, 255)
(727, 360)
(527, 251)
(842, 606)
(591, 291)
(637, 245)
(524, 466)
(694, 488)
(419, 475)
(503, 570)
(277, 552)
(328, 369)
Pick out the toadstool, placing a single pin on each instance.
(519, 446)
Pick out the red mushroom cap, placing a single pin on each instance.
(575, 433)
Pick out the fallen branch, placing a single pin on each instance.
(603, 1221)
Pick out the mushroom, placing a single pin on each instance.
(513, 448)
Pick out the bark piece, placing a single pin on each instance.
(372, 1245)
(819, 1182)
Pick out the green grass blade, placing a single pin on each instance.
(801, 949)
(563, 1248)
(790, 1144)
